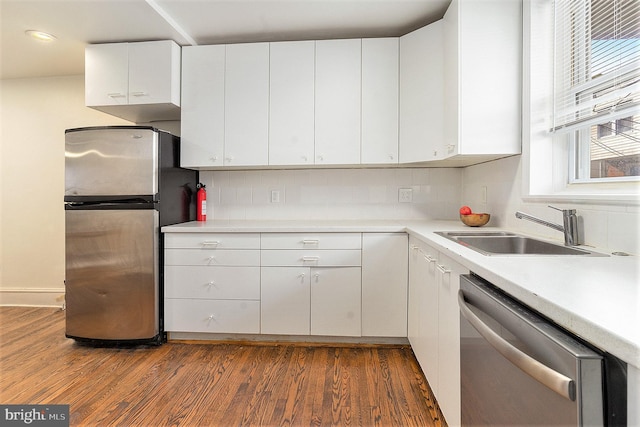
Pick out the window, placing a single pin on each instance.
(597, 87)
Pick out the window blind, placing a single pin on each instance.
(597, 57)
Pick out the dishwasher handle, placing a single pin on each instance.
(551, 379)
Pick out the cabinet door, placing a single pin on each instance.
(423, 308)
(421, 94)
(448, 391)
(450, 23)
(202, 124)
(246, 104)
(291, 103)
(337, 102)
(154, 72)
(384, 284)
(107, 74)
(285, 300)
(336, 301)
(380, 100)
(483, 109)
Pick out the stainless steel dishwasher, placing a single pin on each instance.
(518, 368)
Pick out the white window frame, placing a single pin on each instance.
(547, 158)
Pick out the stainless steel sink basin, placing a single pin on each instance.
(506, 243)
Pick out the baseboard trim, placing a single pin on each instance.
(32, 297)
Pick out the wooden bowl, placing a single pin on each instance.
(475, 219)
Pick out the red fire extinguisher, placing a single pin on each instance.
(201, 206)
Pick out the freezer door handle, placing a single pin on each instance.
(550, 378)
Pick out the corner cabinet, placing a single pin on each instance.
(483, 83)
(434, 323)
(139, 81)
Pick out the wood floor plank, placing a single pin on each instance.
(209, 384)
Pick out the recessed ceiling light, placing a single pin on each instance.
(40, 35)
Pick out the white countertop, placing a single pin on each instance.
(596, 298)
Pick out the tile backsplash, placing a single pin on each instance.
(333, 193)
(436, 193)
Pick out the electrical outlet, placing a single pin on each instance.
(275, 196)
(405, 195)
(483, 194)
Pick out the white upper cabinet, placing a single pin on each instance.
(483, 67)
(202, 125)
(107, 74)
(246, 104)
(337, 101)
(139, 81)
(421, 94)
(291, 103)
(380, 101)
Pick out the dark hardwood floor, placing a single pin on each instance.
(209, 384)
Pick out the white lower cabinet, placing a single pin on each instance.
(335, 301)
(286, 300)
(323, 284)
(384, 284)
(434, 323)
(312, 291)
(212, 283)
(311, 301)
(214, 316)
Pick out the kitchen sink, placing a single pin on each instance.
(506, 243)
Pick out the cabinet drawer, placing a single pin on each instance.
(311, 241)
(310, 258)
(212, 257)
(212, 282)
(228, 316)
(212, 240)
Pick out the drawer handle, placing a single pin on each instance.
(211, 318)
(429, 258)
(443, 269)
(212, 283)
(310, 258)
(210, 259)
(211, 243)
(310, 242)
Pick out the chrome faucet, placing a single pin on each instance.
(570, 228)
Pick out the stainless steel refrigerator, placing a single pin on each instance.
(122, 183)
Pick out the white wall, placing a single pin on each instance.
(33, 117)
(615, 227)
(333, 193)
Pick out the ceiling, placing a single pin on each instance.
(76, 23)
